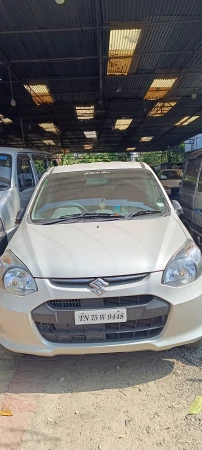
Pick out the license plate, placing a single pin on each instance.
(100, 316)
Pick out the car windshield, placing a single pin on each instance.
(5, 171)
(106, 193)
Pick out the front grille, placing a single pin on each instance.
(146, 318)
(63, 304)
(108, 302)
(130, 330)
(86, 281)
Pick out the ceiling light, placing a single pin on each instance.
(122, 124)
(130, 149)
(49, 127)
(186, 120)
(161, 108)
(13, 102)
(90, 134)
(88, 146)
(60, 2)
(49, 142)
(122, 44)
(85, 112)
(146, 138)
(159, 88)
(5, 120)
(39, 92)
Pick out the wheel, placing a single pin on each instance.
(193, 345)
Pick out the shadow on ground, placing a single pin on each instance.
(63, 374)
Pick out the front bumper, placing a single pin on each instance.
(19, 333)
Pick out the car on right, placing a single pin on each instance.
(190, 196)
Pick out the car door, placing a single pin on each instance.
(197, 210)
(188, 189)
(26, 181)
(40, 164)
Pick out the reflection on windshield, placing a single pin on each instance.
(5, 171)
(112, 192)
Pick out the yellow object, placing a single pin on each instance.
(6, 412)
(196, 406)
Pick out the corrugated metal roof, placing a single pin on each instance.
(45, 14)
(58, 46)
(122, 10)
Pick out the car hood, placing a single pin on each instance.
(97, 249)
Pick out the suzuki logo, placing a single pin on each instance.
(98, 286)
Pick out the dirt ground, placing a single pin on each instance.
(106, 402)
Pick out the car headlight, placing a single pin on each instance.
(15, 278)
(184, 267)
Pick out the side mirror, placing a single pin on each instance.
(19, 216)
(163, 177)
(177, 207)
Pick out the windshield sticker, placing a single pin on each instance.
(3, 158)
(96, 173)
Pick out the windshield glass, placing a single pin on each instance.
(116, 192)
(5, 171)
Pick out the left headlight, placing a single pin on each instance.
(15, 278)
(184, 267)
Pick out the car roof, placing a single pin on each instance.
(100, 166)
(13, 151)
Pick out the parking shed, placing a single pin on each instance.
(100, 75)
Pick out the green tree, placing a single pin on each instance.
(173, 155)
(92, 157)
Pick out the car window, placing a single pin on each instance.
(111, 191)
(24, 173)
(5, 171)
(200, 182)
(191, 174)
(41, 164)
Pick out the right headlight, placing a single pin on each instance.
(184, 267)
(15, 278)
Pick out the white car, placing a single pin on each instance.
(100, 263)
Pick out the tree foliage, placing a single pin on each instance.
(92, 157)
(172, 155)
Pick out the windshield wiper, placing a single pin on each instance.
(144, 212)
(77, 217)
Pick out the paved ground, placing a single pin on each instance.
(107, 402)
